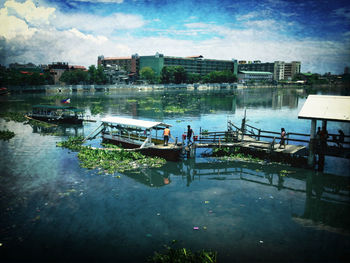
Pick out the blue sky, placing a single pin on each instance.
(315, 32)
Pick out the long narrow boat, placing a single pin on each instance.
(57, 114)
(145, 135)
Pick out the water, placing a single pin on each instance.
(54, 210)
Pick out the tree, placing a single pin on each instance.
(220, 77)
(147, 73)
(179, 74)
(193, 78)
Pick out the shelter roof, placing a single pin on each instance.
(134, 122)
(322, 107)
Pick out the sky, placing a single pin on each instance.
(315, 32)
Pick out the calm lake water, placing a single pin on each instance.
(54, 210)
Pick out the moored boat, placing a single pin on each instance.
(146, 136)
(57, 114)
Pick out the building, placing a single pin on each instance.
(254, 76)
(280, 69)
(115, 74)
(194, 64)
(129, 64)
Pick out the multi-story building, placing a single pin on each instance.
(280, 69)
(129, 64)
(248, 76)
(195, 64)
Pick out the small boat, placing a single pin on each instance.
(57, 114)
(145, 136)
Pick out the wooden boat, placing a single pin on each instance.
(146, 136)
(57, 114)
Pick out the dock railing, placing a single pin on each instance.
(234, 134)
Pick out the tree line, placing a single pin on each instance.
(16, 78)
(92, 76)
(177, 75)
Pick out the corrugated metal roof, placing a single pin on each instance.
(321, 107)
(133, 122)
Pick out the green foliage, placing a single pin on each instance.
(147, 73)
(6, 135)
(75, 77)
(193, 78)
(110, 160)
(96, 109)
(13, 116)
(73, 143)
(220, 77)
(173, 74)
(16, 78)
(183, 255)
(97, 75)
(233, 153)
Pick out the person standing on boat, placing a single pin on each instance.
(166, 134)
(189, 134)
(283, 138)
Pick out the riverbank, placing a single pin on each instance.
(150, 87)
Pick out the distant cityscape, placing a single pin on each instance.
(129, 70)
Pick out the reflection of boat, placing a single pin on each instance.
(3, 91)
(144, 136)
(60, 114)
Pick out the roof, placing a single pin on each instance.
(55, 107)
(321, 107)
(116, 58)
(255, 72)
(133, 122)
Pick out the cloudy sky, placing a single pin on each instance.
(315, 32)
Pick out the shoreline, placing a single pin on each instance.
(150, 87)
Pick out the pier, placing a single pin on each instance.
(302, 149)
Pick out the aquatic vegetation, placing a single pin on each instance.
(73, 143)
(13, 116)
(110, 159)
(96, 109)
(183, 255)
(233, 154)
(6, 135)
(20, 117)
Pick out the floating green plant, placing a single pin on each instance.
(6, 135)
(13, 116)
(234, 153)
(20, 117)
(183, 255)
(110, 159)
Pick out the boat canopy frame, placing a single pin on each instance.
(133, 128)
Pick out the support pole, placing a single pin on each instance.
(312, 143)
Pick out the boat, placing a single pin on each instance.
(144, 136)
(57, 114)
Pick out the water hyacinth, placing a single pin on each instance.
(6, 135)
(110, 159)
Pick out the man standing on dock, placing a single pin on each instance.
(166, 134)
(283, 138)
(189, 134)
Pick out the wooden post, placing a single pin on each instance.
(259, 131)
(311, 158)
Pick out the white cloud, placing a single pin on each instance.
(99, 24)
(29, 12)
(12, 26)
